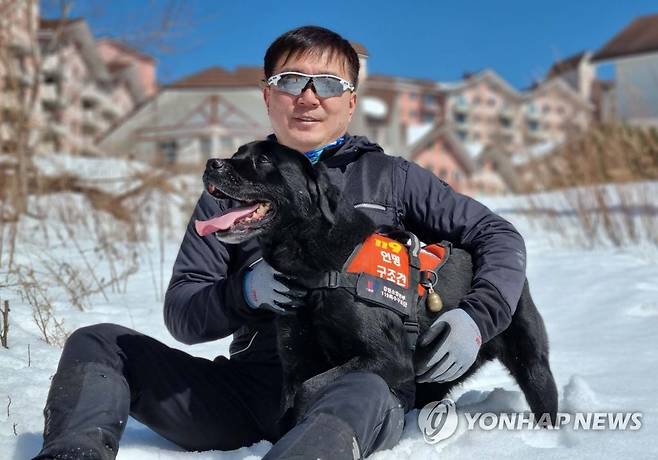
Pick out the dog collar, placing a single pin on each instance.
(314, 155)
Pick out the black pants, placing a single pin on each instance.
(226, 404)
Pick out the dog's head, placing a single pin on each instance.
(274, 186)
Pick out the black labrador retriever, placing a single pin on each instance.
(305, 229)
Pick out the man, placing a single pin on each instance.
(107, 371)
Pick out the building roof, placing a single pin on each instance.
(487, 75)
(639, 37)
(174, 108)
(443, 130)
(379, 78)
(213, 77)
(77, 31)
(359, 48)
(125, 48)
(559, 84)
(565, 65)
(58, 22)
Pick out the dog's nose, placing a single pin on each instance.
(214, 164)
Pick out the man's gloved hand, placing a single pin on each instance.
(266, 288)
(448, 348)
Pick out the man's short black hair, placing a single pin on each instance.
(312, 39)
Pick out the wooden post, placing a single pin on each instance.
(5, 324)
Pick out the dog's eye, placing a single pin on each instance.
(263, 160)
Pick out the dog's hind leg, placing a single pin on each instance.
(537, 383)
(524, 352)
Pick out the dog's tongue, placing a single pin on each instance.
(223, 222)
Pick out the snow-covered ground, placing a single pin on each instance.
(601, 311)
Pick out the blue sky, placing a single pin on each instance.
(427, 39)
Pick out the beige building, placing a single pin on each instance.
(84, 90)
(482, 112)
(208, 114)
(485, 109)
(634, 54)
(552, 111)
(19, 56)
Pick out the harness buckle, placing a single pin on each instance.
(412, 330)
(333, 280)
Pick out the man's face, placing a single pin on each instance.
(308, 121)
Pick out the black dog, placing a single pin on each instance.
(304, 230)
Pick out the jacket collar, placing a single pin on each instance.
(346, 152)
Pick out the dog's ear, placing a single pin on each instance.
(326, 193)
(329, 195)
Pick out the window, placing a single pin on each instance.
(533, 125)
(461, 134)
(505, 122)
(205, 145)
(428, 117)
(460, 118)
(169, 151)
(429, 99)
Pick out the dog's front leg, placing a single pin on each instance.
(313, 385)
(300, 360)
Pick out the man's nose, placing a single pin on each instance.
(308, 95)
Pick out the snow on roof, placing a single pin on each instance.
(535, 151)
(415, 132)
(374, 107)
(474, 149)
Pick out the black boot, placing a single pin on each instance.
(86, 413)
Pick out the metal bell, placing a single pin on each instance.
(434, 302)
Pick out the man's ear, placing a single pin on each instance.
(266, 98)
(352, 104)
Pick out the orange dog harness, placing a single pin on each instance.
(390, 270)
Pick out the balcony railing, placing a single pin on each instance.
(91, 122)
(49, 93)
(461, 107)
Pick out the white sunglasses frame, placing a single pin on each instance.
(274, 79)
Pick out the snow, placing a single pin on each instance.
(416, 132)
(374, 107)
(600, 306)
(474, 149)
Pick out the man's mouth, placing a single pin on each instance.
(307, 119)
(248, 215)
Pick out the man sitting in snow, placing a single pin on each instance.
(107, 372)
